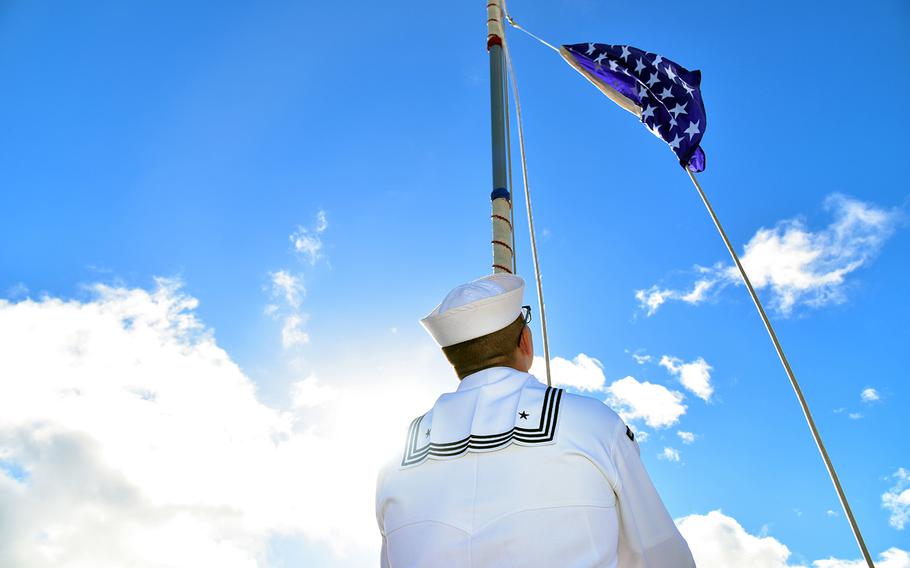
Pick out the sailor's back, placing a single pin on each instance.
(508, 472)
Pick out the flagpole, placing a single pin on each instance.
(793, 382)
(501, 199)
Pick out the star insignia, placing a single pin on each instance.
(666, 94)
(523, 415)
(600, 58)
(639, 66)
(625, 52)
(687, 87)
(613, 66)
(648, 112)
(642, 92)
(590, 49)
(657, 60)
(671, 74)
(675, 143)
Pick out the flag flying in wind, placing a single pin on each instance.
(664, 95)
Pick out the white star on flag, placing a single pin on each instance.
(625, 53)
(693, 129)
(648, 112)
(667, 93)
(671, 74)
(678, 109)
(654, 79)
(639, 66)
(590, 49)
(675, 143)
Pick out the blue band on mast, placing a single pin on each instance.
(500, 192)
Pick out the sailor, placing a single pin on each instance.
(506, 471)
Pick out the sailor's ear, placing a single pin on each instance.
(527, 341)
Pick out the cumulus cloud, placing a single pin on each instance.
(719, 541)
(310, 392)
(891, 558)
(130, 438)
(897, 499)
(796, 265)
(669, 454)
(657, 405)
(869, 395)
(583, 373)
(307, 241)
(694, 375)
(686, 437)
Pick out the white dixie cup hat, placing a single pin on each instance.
(476, 309)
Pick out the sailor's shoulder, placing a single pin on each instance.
(587, 413)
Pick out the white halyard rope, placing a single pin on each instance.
(524, 175)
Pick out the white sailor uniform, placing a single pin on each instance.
(507, 472)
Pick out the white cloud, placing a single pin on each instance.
(640, 357)
(310, 393)
(832, 513)
(322, 222)
(797, 266)
(897, 499)
(657, 405)
(719, 541)
(141, 442)
(307, 241)
(288, 290)
(869, 395)
(686, 437)
(891, 558)
(292, 332)
(854, 415)
(695, 375)
(288, 286)
(652, 298)
(669, 454)
(583, 373)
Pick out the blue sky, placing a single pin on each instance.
(197, 140)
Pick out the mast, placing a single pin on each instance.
(503, 251)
